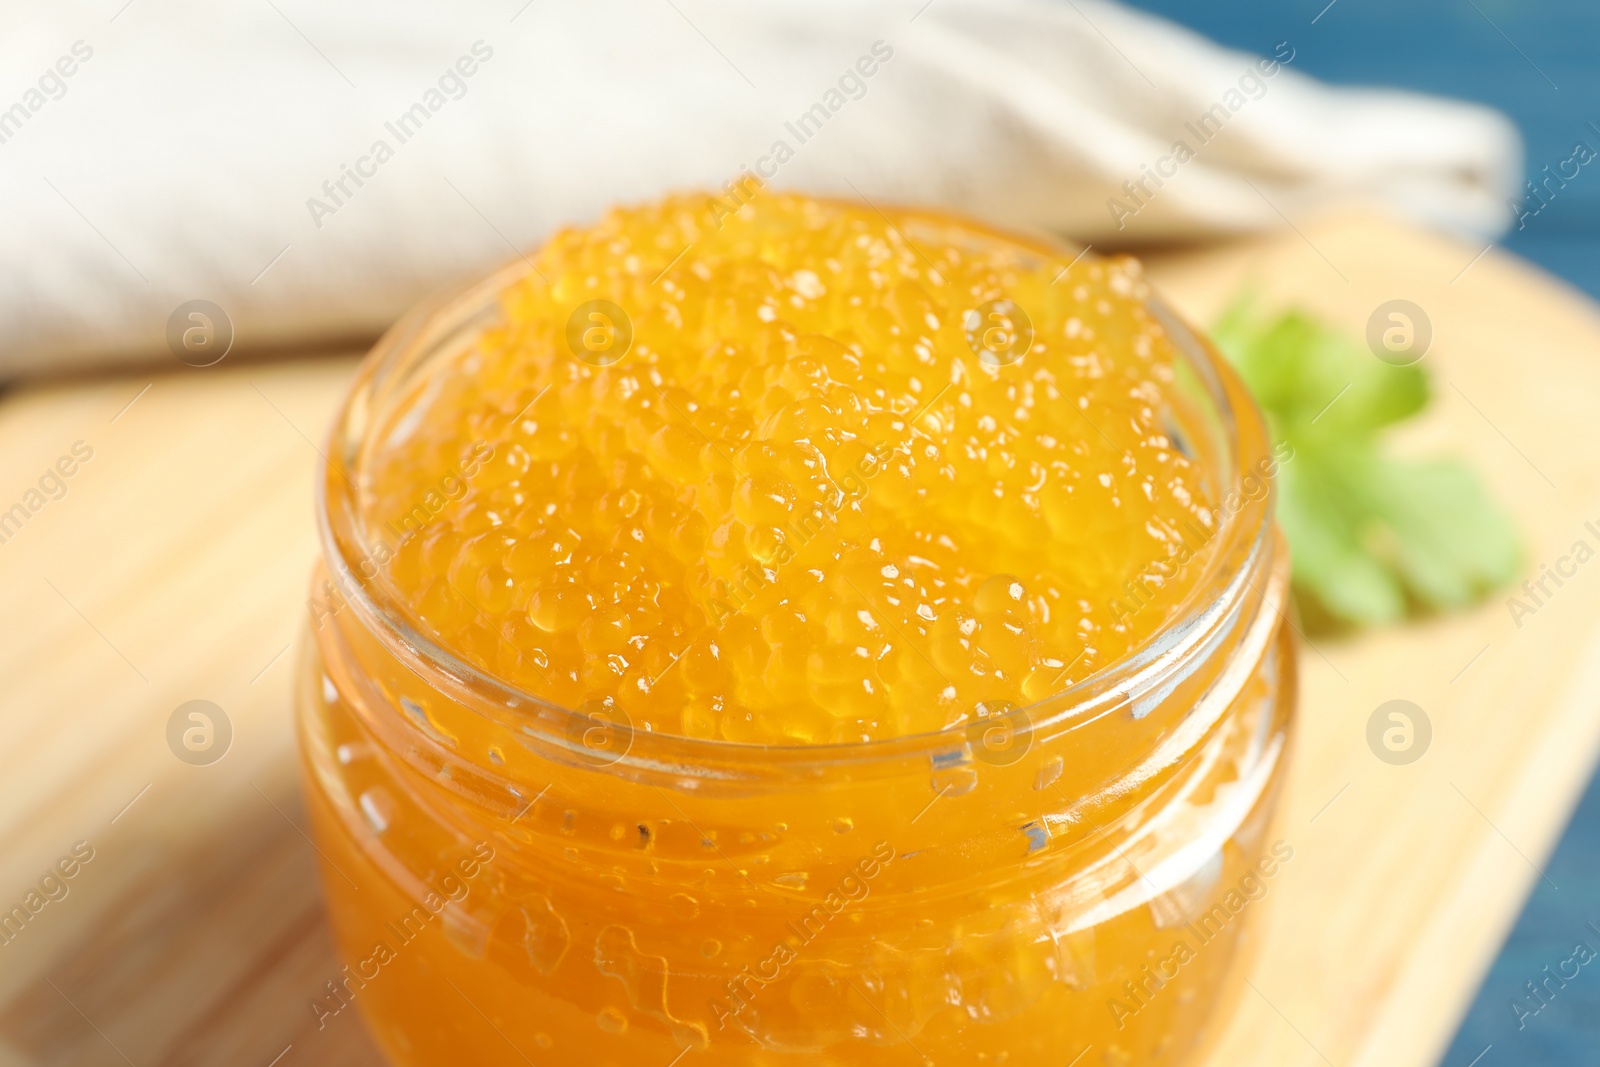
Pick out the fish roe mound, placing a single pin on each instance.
(811, 473)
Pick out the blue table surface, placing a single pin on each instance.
(1539, 62)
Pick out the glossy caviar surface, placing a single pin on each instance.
(800, 472)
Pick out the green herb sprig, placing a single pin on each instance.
(1373, 536)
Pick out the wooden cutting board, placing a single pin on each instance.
(174, 569)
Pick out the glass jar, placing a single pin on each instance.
(512, 882)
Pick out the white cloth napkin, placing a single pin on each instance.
(171, 150)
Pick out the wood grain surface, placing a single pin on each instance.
(174, 568)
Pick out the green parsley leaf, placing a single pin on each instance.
(1373, 536)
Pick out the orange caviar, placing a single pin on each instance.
(825, 471)
(799, 635)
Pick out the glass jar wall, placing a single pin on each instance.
(512, 881)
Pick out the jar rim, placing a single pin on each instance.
(1243, 544)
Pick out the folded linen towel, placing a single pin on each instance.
(313, 169)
